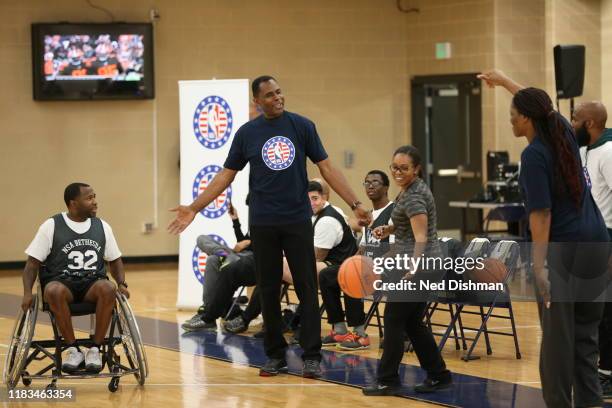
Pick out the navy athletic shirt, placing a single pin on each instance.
(536, 180)
(276, 150)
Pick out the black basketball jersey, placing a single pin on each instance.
(375, 247)
(347, 247)
(75, 255)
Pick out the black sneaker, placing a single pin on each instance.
(199, 325)
(379, 390)
(237, 325)
(312, 369)
(274, 366)
(431, 385)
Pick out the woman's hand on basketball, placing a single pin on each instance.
(543, 284)
(364, 217)
(381, 232)
(493, 77)
(184, 217)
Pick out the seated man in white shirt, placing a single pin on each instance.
(70, 250)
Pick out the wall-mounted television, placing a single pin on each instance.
(84, 61)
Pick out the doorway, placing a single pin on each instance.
(447, 130)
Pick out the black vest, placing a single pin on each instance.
(375, 248)
(347, 247)
(74, 255)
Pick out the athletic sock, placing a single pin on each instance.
(360, 330)
(340, 328)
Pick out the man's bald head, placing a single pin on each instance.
(594, 111)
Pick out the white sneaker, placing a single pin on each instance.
(72, 360)
(93, 361)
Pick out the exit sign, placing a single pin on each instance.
(443, 50)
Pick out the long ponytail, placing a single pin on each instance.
(535, 104)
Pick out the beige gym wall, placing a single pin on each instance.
(346, 64)
(341, 63)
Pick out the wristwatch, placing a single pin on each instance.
(355, 205)
(123, 284)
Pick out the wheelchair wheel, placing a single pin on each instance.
(19, 345)
(131, 340)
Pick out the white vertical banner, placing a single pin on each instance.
(210, 114)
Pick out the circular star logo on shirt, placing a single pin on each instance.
(198, 258)
(212, 122)
(278, 153)
(219, 205)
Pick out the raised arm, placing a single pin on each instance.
(495, 77)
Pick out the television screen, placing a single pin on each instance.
(92, 61)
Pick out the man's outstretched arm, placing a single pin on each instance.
(186, 213)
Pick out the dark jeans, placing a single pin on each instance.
(253, 309)
(407, 318)
(568, 354)
(330, 292)
(228, 280)
(295, 241)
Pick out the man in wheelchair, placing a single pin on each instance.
(70, 250)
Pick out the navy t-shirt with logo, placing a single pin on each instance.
(568, 224)
(276, 150)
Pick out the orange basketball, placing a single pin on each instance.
(356, 276)
(493, 271)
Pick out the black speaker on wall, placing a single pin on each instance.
(569, 70)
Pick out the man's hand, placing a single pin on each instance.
(184, 217)
(364, 216)
(381, 232)
(543, 284)
(26, 302)
(240, 246)
(123, 290)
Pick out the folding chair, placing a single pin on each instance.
(452, 248)
(509, 253)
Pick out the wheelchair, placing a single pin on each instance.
(123, 333)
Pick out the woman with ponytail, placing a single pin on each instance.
(569, 246)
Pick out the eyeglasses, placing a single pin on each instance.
(403, 169)
(373, 183)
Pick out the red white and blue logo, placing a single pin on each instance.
(278, 153)
(219, 205)
(198, 258)
(212, 122)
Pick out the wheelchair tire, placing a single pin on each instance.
(113, 385)
(131, 340)
(19, 345)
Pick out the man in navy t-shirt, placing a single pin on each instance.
(276, 145)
